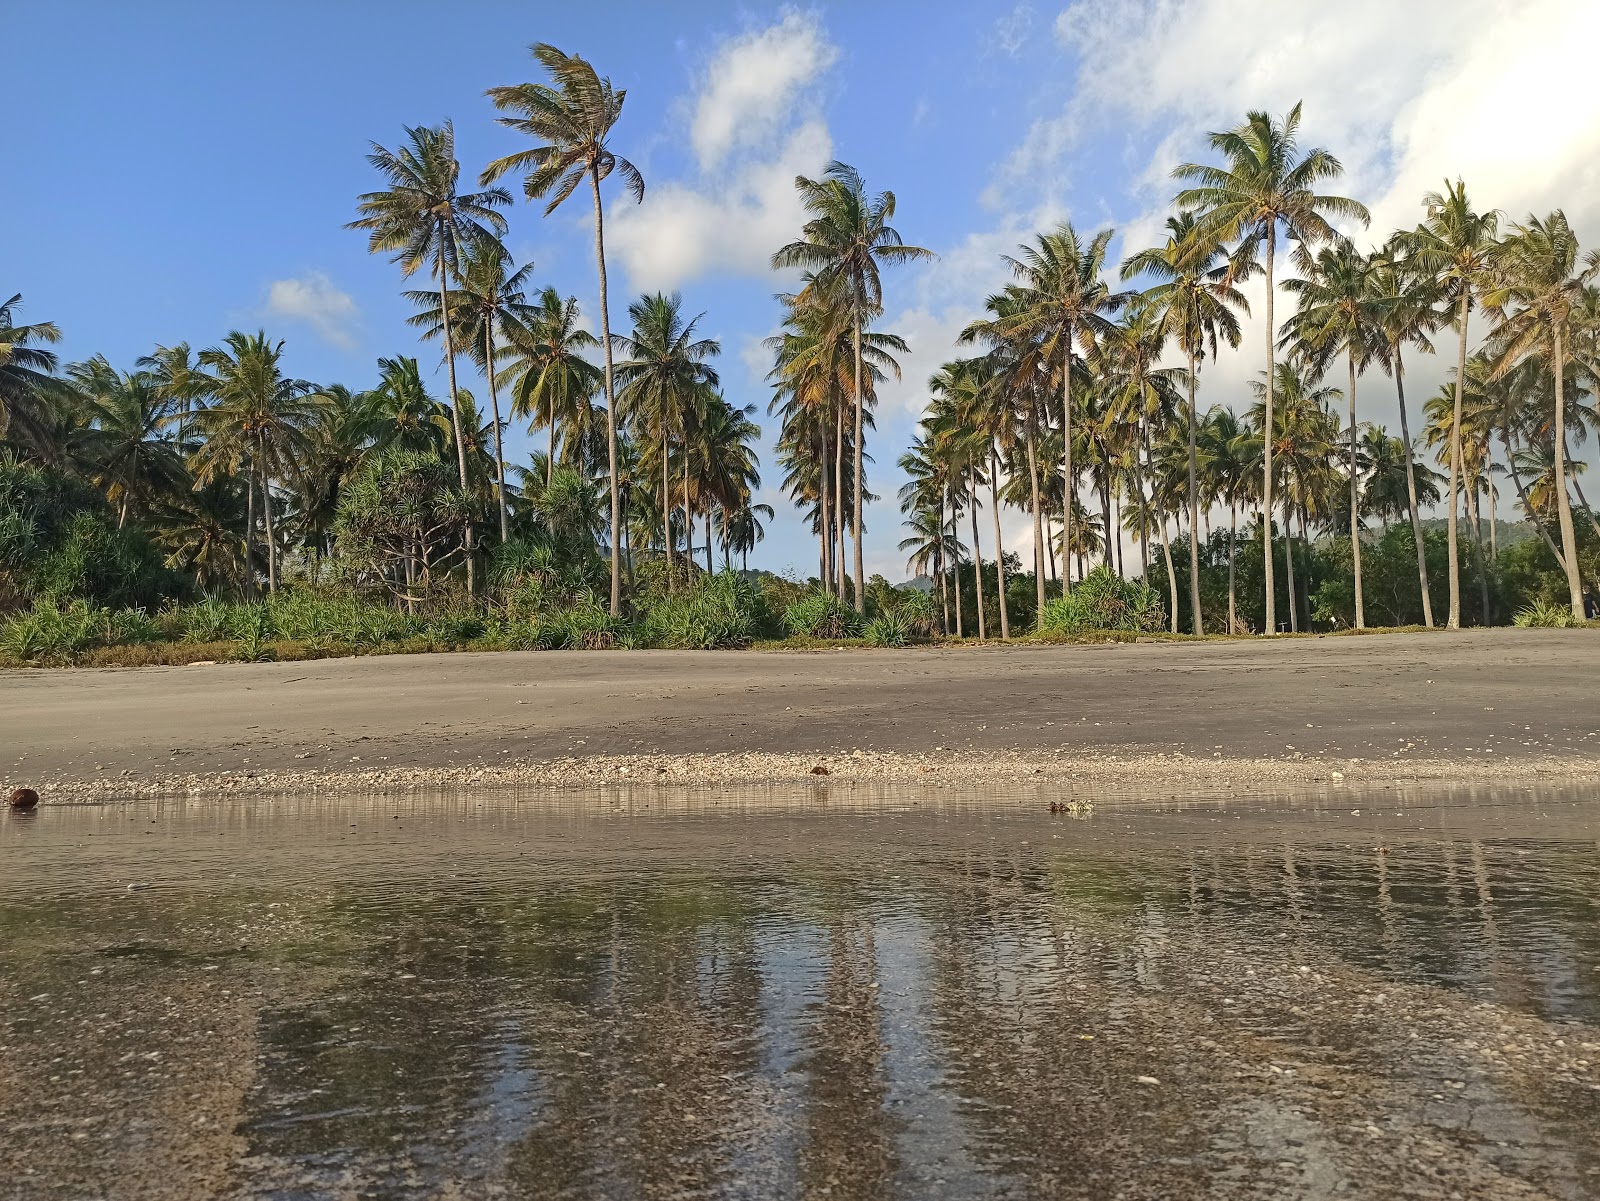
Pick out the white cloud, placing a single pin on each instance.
(686, 230)
(755, 124)
(1011, 31)
(314, 299)
(753, 83)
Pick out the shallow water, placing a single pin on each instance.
(838, 993)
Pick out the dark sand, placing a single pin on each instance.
(1488, 701)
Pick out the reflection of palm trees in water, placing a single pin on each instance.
(850, 1146)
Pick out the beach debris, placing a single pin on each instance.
(820, 770)
(23, 800)
(1151, 1081)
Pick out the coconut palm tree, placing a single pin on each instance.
(133, 459)
(1265, 185)
(843, 244)
(1537, 280)
(179, 380)
(1455, 245)
(1340, 312)
(1224, 447)
(570, 118)
(1196, 297)
(1410, 314)
(420, 219)
(489, 298)
(551, 380)
(404, 415)
(26, 375)
(259, 421)
(1065, 302)
(662, 377)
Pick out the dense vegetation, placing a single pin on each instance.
(201, 502)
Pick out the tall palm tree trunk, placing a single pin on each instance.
(838, 501)
(1411, 491)
(688, 511)
(955, 516)
(666, 507)
(825, 519)
(1066, 449)
(977, 565)
(710, 569)
(1569, 546)
(550, 445)
(1271, 626)
(1233, 536)
(1454, 620)
(1483, 562)
(1527, 505)
(1172, 576)
(1038, 518)
(455, 410)
(272, 548)
(250, 523)
(861, 579)
(1355, 501)
(1106, 518)
(1288, 562)
(611, 395)
(939, 567)
(999, 546)
(499, 449)
(1198, 621)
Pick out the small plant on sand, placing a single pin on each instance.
(1102, 601)
(1545, 615)
(890, 628)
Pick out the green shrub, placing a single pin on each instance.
(890, 628)
(583, 627)
(1103, 601)
(717, 612)
(1545, 615)
(822, 615)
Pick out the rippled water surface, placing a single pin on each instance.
(836, 994)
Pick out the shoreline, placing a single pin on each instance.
(1124, 776)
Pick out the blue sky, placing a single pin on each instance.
(187, 169)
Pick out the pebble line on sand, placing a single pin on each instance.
(1131, 773)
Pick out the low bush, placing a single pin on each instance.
(889, 628)
(822, 615)
(717, 612)
(1546, 615)
(1103, 601)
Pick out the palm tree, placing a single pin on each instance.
(179, 380)
(403, 414)
(571, 121)
(1196, 298)
(420, 219)
(26, 371)
(551, 381)
(1410, 314)
(259, 420)
(133, 459)
(843, 244)
(1455, 245)
(1266, 183)
(1340, 311)
(663, 374)
(1537, 282)
(1064, 302)
(490, 297)
(1224, 451)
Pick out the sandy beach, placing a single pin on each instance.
(1490, 705)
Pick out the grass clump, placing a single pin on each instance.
(1542, 614)
(822, 615)
(1103, 601)
(717, 612)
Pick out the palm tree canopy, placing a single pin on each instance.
(570, 118)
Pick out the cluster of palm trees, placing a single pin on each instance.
(232, 464)
(1080, 380)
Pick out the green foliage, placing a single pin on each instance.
(1546, 615)
(1102, 601)
(822, 615)
(720, 611)
(52, 633)
(59, 542)
(890, 628)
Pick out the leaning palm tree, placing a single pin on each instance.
(570, 119)
(259, 421)
(1537, 280)
(26, 371)
(843, 244)
(1339, 312)
(1266, 184)
(1196, 297)
(1455, 245)
(663, 374)
(1064, 302)
(488, 300)
(421, 220)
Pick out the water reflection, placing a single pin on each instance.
(844, 997)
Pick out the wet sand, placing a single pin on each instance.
(1485, 704)
(842, 996)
